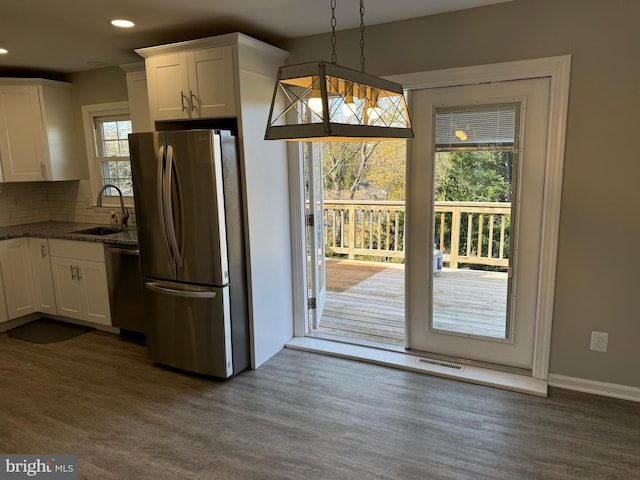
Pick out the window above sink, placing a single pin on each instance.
(106, 129)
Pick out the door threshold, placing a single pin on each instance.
(414, 363)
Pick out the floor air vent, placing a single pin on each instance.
(436, 363)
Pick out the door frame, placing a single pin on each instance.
(558, 70)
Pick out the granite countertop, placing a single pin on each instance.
(66, 231)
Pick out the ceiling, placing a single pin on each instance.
(65, 36)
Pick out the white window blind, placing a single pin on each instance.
(485, 126)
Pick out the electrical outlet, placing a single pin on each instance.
(599, 341)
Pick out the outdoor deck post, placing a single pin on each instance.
(455, 237)
(352, 231)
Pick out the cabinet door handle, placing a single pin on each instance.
(78, 273)
(42, 170)
(43, 250)
(182, 97)
(192, 98)
(73, 275)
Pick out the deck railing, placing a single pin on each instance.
(465, 232)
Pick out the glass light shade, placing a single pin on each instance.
(349, 108)
(374, 113)
(315, 101)
(122, 23)
(326, 102)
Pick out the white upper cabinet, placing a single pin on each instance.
(22, 147)
(191, 84)
(36, 135)
(138, 97)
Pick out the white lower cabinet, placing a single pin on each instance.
(53, 276)
(80, 280)
(67, 288)
(19, 288)
(3, 304)
(42, 279)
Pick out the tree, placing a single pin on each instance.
(378, 167)
(345, 165)
(387, 171)
(474, 176)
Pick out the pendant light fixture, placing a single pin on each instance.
(322, 101)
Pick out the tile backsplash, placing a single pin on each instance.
(23, 203)
(70, 201)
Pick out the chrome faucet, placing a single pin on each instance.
(124, 212)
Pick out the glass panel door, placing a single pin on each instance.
(315, 231)
(476, 151)
(475, 190)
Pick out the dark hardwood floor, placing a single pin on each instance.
(299, 416)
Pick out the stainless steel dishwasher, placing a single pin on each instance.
(125, 289)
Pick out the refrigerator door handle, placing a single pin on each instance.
(180, 290)
(168, 211)
(160, 190)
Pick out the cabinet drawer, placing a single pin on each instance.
(78, 250)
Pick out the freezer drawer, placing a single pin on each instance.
(189, 327)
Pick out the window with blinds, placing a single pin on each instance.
(486, 127)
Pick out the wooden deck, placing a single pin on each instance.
(365, 302)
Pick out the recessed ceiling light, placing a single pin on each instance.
(122, 23)
(3, 51)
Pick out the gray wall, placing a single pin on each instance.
(74, 201)
(598, 258)
(104, 85)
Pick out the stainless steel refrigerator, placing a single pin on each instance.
(189, 221)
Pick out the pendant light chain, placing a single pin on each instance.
(325, 102)
(334, 57)
(362, 34)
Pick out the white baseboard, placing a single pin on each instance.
(612, 390)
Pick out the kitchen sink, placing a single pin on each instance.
(99, 231)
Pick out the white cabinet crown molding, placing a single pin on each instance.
(133, 67)
(217, 41)
(33, 81)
